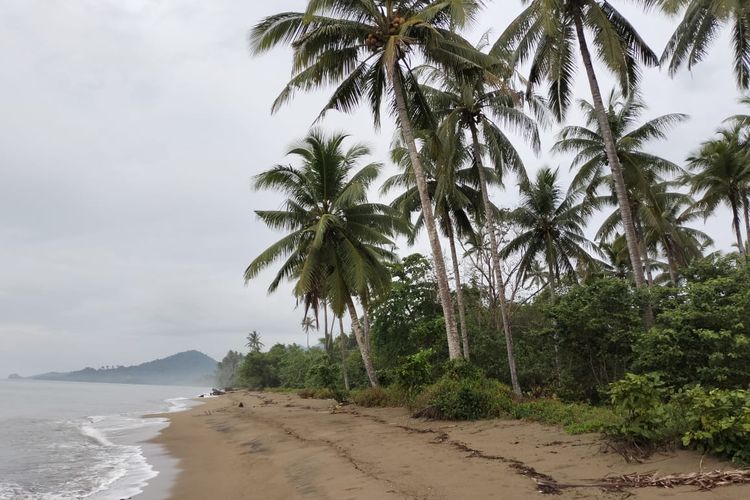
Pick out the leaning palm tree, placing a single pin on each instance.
(546, 31)
(337, 243)
(367, 48)
(454, 196)
(721, 175)
(697, 29)
(475, 102)
(551, 226)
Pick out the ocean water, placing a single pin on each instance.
(74, 440)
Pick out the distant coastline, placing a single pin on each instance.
(189, 368)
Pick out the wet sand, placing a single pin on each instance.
(279, 446)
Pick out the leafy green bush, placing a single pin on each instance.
(575, 418)
(417, 371)
(381, 397)
(644, 414)
(460, 369)
(717, 421)
(702, 333)
(323, 374)
(464, 393)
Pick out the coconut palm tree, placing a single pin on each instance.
(476, 101)
(308, 323)
(337, 243)
(253, 342)
(366, 48)
(700, 21)
(721, 175)
(641, 170)
(551, 226)
(453, 193)
(665, 215)
(547, 31)
(662, 215)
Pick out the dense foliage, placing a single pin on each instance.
(540, 320)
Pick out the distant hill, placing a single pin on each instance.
(185, 368)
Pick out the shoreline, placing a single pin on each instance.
(279, 446)
(165, 464)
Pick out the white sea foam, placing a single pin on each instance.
(99, 457)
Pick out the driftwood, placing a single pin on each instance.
(701, 480)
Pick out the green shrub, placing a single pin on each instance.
(702, 334)
(323, 374)
(464, 393)
(381, 397)
(417, 371)
(644, 414)
(717, 421)
(575, 418)
(459, 369)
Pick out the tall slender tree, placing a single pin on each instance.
(337, 243)
(454, 195)
(547, 31)
(367, 48)
(477, 102)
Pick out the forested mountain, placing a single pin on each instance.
(185, 368)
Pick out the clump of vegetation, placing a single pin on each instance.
(717, 421)
(463, 393)
(382, 397)
(645, 416)
(650, 414)
(575, 418)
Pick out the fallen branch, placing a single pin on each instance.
(703, 480)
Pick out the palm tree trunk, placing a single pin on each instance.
(672, 262)
(459, 291)
(551, 284)
(612, 158)
(364, 348)
(342, 338)
(325, 327)
(489, 217)
(454, 344)
(366, 318)
(747, 222)
(642, 244)
(737, 230)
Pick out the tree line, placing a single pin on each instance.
(456, 106)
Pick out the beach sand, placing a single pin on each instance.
(280, 446)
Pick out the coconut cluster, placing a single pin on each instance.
(396, 25)
(376, 39)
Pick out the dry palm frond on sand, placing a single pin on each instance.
(703, 480)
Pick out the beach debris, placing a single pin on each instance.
(241, 405)
(217, 392)
(702, 480)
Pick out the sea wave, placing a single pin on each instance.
(106, 460)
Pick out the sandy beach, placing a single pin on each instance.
(279, 446)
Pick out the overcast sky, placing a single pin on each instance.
(129, 133)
